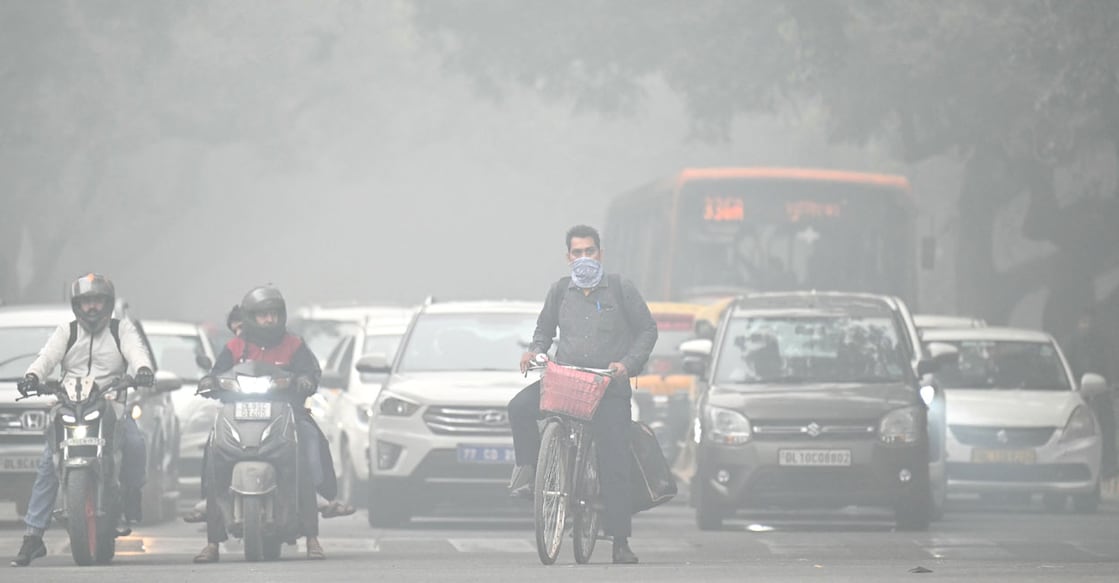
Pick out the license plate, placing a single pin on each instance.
(485, 454)
(18, 464)
(1003, 456)
(252, 410)
(83, 441)
(814, 457)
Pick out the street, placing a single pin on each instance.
(971, 543)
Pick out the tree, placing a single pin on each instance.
(1015, 90)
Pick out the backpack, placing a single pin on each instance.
(114, 329)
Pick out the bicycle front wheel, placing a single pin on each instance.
(586, 508)
(551, 492)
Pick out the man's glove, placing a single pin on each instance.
(206, 386)
(28, 384)
(145, 377)
(304, 384)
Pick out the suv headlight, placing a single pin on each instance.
(394, 406)
(899, 427)
(727, 427)
(1081, 424)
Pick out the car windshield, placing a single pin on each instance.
(1005, 365)
(178, 354)
(385, 344)
(19, 347)
(816, 348)
(467, 342)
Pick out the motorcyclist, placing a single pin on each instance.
(93, 345)
(264, 337)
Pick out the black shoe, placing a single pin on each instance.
(32, 549)
(520, 485)
(622, 554)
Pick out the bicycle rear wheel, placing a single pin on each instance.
(550, 502)
(586, 509)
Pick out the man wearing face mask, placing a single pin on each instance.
(603, 322)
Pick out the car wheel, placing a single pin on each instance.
(914, 509)
(1055, 503)
(709, 514)
(1087, 503)
(388, 506)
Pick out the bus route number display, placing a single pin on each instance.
(724, 209)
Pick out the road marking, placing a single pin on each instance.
(492, 545)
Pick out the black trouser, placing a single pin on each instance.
(610, 429)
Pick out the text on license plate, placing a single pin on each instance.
(15, 464)
(83, 441)
(814, 457)
(485, 454)
(1003, 456)
(252, 410)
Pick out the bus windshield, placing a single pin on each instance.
(775, 235)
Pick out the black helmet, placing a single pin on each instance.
(259, 300)
(93, 286)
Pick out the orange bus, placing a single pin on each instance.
(709, 233)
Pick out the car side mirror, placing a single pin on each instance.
(1093, 385)
(704, 330)
(204, 362)
(374, 364)
(166, 382)
(697, 353)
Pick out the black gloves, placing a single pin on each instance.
(145, 377)
(28, 384)
(206, 386)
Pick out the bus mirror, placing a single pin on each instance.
(928, 253)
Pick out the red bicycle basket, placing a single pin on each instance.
(570, 392)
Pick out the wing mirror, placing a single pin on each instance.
(204, 362)
(704, 330)
(374, 364)
(696, 353)
(1093, 385)
(166, 382)
(941, 354)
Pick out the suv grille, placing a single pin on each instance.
(456, 420)
(23, 421)
(1003, 436)
(807, 430)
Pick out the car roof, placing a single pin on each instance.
(350, 312)
(929, 321)
(170, 328)
(811, 301)
(28, 315)
(383, 329)
(484, 307)
(999, 334)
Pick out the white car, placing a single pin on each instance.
(440, 426)
(183, 348)
(1018, 421)
(925, 322)
(346, 395)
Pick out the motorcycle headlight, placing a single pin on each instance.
(1081, 424)
(68, 418)
(899, 427)
(396, 407)
(137, 412)
(254, 385)
(727, 427)
(92, 415)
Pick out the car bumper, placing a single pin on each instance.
(750, 476)
(18, 468)
(1070, 468)
(430, 462)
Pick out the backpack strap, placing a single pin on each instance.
(114, 329)
(73, 336)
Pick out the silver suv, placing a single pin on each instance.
(439, 430)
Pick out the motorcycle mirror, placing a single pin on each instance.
(204, 362)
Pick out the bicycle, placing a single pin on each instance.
(566, 470)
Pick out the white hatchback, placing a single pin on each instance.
(1018, 421)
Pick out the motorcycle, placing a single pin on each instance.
(88, 431)
(254, 465)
